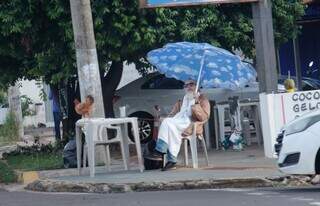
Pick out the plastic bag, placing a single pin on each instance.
(70, 155)
(237, 140)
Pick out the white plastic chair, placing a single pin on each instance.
(103, 139)
(193, 147)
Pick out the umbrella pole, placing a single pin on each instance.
(200, 71)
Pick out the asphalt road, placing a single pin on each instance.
(222, 197)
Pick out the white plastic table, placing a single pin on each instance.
(92, 126)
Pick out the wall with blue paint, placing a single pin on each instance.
(286, 55)
(309, 43)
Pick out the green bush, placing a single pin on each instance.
(3, 98)
(36, 157)
(9, 130)
(7, 175)
(34, 149)
(36, 161)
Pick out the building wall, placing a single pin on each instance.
(31, 89)
(309, 46)
(129, 74)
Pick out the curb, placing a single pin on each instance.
(2, 189)
(27, 177)
(31, 176)
(65, 186)
(12, 187)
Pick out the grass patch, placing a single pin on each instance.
(7, 175)
(9, 130)
(38, 161)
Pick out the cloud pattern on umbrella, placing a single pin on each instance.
(221, 69)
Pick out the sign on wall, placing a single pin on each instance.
(298, 103)
(180, 3)
(279, 109)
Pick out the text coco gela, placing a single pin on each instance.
(306, 101)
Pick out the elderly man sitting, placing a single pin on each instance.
(194, 109)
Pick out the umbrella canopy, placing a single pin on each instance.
(213, 67)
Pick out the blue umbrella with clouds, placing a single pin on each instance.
(212, 66)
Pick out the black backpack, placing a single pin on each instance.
(151, 164)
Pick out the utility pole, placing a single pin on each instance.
(265, 49)
(86, 53)
(15, 107)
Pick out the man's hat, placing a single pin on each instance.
(188, 81)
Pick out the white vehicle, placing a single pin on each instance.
(298, 145)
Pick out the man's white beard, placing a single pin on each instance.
(189, 95)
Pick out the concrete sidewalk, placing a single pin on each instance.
(222, 165)
(248, 168)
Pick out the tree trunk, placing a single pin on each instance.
(15, 107)
(110, 83)
(87, 59)
(265, 49)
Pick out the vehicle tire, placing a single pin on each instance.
(317, 163)
(145, 123)
(66, 163)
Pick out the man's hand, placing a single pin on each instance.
(196, 97)
(183, 134)
(76, 101)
